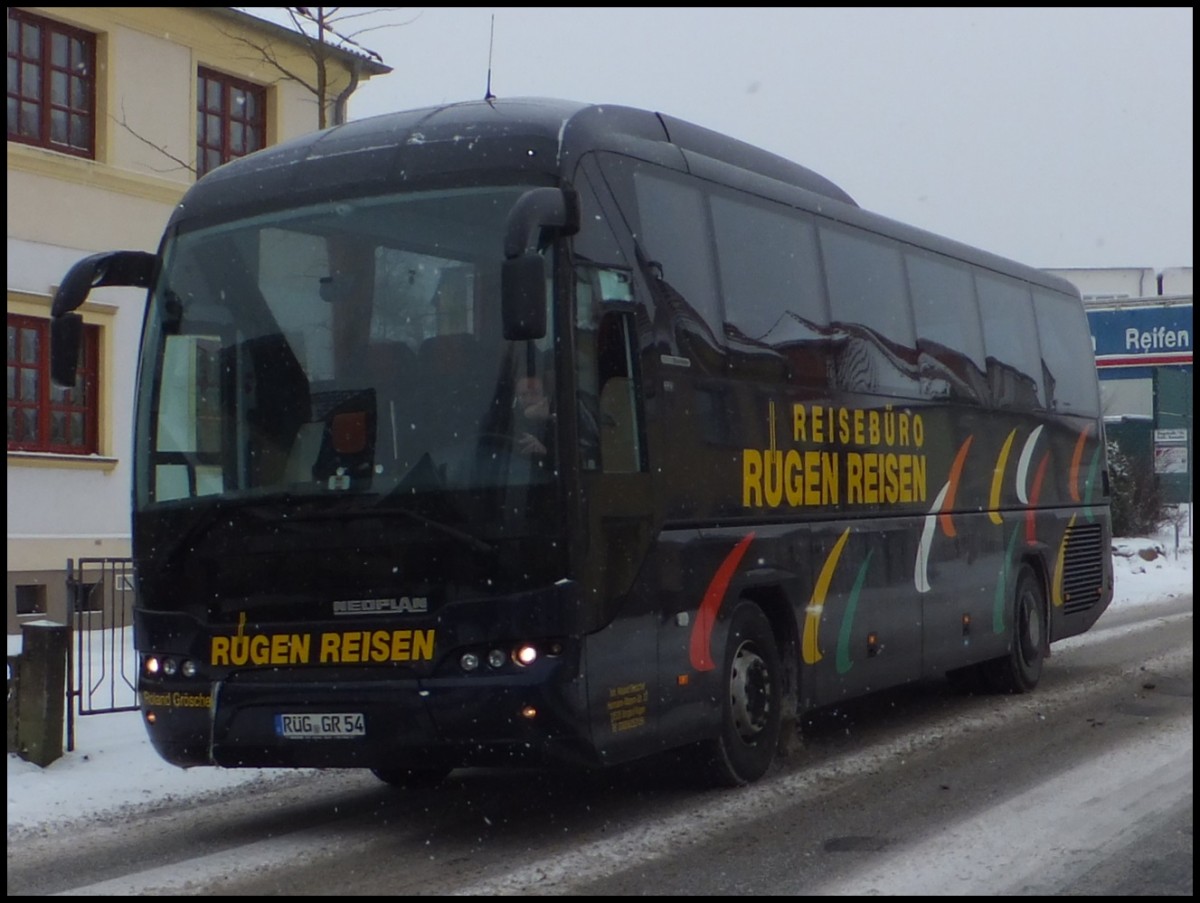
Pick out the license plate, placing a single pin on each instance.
(310, 726)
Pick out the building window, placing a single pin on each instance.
(51, 84)
(31, 599)
(231, 119)
(43, 417)
(83, 597)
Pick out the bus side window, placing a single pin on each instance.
(1014, 360)
(620, 446)
(950, 355)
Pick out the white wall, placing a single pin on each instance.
(1177, 281)
(62, 208)
(1127, 397)
(1111, 282)
(46, 500)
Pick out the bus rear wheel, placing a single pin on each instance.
(1020, 670)
(752, 703)
(411, 778)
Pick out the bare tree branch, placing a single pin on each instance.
(265, 52)
(329, 20)
(329, 38)
(124, 123)
(323, 31)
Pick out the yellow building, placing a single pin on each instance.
(112, 112)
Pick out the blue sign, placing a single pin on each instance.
(1142, 336)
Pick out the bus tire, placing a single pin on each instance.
(751, 684)
(411, 778)
(1020, 670)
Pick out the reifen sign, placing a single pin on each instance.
(1139, 335)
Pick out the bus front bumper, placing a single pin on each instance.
(276, 722)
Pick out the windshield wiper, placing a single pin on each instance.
(206, 516)
(288, 509)
(470, 539)
(463, 536)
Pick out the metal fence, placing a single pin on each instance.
(101, 664)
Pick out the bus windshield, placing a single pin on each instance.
(350, 349)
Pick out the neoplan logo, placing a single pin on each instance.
(404, 604)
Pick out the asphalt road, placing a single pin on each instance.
(1083, 787)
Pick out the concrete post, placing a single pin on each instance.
(42, 691)
(14, 675)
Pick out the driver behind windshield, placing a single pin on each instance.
(534, 417)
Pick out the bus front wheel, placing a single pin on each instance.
(1020, 670)
(752, 704)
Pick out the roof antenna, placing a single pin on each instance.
(489, 96)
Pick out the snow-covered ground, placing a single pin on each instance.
(113, 765)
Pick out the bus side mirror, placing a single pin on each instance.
(129, 268)
(66, 335)
(538, 214)
(523, 297)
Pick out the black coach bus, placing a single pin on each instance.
(535, 431)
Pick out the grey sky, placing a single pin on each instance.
(1061, 138)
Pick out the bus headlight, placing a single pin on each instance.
(166, 666)
(525, 654)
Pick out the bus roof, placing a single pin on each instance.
(544, 137)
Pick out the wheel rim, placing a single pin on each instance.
(749, 692)
(1031, 630)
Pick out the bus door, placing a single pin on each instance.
(618, 501)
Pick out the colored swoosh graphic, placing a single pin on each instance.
(1091, 483)
(844, 663)
(1031, 514)
(999, 605)
(921, 565)
(998, 480)
(812, 614)
(1023, 464)
(956, 469)
(1075, 459)
(700, 648)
